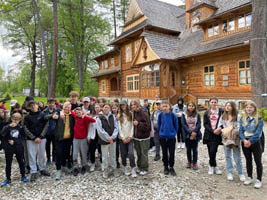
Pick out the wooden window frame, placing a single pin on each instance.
(245, 20)
(209, 73)
(112, 61)
(213, 30)
(136, 46)
(134, 82)
(106, 64)
(128, 58)
(146, 75)
(244, 69)
(103, 86)
(102, 64)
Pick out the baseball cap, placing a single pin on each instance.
(51, 100)
(86, 99)
(31, 102)
(13, 102)
(29, 98)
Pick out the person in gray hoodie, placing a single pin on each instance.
(107, 129)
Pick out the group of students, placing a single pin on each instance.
(121, 127)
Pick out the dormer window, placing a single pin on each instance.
(213, 30)
(228, 25)
(244, 20)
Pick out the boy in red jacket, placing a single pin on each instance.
(80, 139)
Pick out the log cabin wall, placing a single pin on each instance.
(226, 75)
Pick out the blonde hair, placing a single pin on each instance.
(136, 102)
(16, 116)
(254, 114)
(66, 104)
(74, 94)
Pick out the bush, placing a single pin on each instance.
(7, 96)
(263, 113)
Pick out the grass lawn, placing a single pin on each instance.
(21, 99)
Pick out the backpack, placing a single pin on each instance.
(173, 118)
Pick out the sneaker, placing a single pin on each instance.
(116, 172)
(182, 145)
(143, 173)
(58, 175)
(27, 170)
(188, 165)
(76, 172)
(134, 173)
(67, 170)
(44, 173)
(258, 184)
(151, 149)
(242, 177)
(217, 171)
(178, 146)
(137, 170)
(195, 167)
(24, 179)
(172, 171)
(211, 170)
(105, 173)
(48, 162)
(126, 171)
(92, 167)
(83, 171)
(33, 177)
(157, 157)
(102, 167)
(166, 170)
(5, 182)
(248, 181)
(230, 177)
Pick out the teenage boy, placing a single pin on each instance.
(74, 99)
(50, 136)
(35, 127)
(168, 126)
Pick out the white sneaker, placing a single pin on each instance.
(230, 177)
(217, 171)
(151, 149)
(211, 170)
(134, 173)
(178, 146)
(258, 184)
(248, 181)
(105, 173)
(142, 173)
(126, 171)
(182, 145)
(92, 167)
(242, 177)
(137, 170)
(102, 167)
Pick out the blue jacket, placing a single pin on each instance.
(187, 132)
(166, 126)
(251, 127)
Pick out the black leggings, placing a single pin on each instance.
(212, 149)
(63, 149)
(180, 137)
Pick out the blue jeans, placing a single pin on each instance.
(235, 151)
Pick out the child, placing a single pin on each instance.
(178, 110)
(126, 135)
(35, 127)
(115, 110)
(168, 127)
(63, 139)
(154, 119)
(74, 99)
(250, 132)
(142, 128)
(191, 123)
(212, 135)
(80, 139)
(229, 123)
(107, 128)
(13, 136)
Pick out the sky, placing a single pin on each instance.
(7, 58)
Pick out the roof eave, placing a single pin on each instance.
(106, 53)
(192, 9)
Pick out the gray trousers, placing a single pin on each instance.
(79, 145)
(36, 152)
(109, 154)
(127, 150)
(26, 157)
(142, 148)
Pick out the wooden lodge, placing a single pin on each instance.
(197, 52)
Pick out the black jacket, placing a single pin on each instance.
(12, 133)
(35, 125)
(60, 127)
(209, 136)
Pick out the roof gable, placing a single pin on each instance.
(133, 11)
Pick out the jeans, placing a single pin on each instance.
(127, 150)
(212, 149)
(256, 151)
(50, 139)
(235, 151)
(191, 146)
(168, 151)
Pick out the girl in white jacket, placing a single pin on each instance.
(125, 123)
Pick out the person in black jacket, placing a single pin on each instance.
(35, 127)
(13, 136)
(212, 135)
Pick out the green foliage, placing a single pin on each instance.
(263, 113)
(7, 95)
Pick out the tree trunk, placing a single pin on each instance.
(48, 71)
(258, 52)
(52, 86)
(34, 56)
(114, 18)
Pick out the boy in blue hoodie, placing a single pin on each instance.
(168, 126)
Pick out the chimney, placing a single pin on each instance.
(188, 4)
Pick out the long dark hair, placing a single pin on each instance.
(212, 98)
(194, 112)
(234, 113)
(127, 112)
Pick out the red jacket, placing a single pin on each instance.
(81, 126)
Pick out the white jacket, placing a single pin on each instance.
(125, 128)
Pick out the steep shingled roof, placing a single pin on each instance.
(200, 2)
(227, 5)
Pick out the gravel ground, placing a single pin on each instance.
(188, 184)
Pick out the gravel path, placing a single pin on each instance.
(188, 184)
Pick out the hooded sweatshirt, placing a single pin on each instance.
(167, 129)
